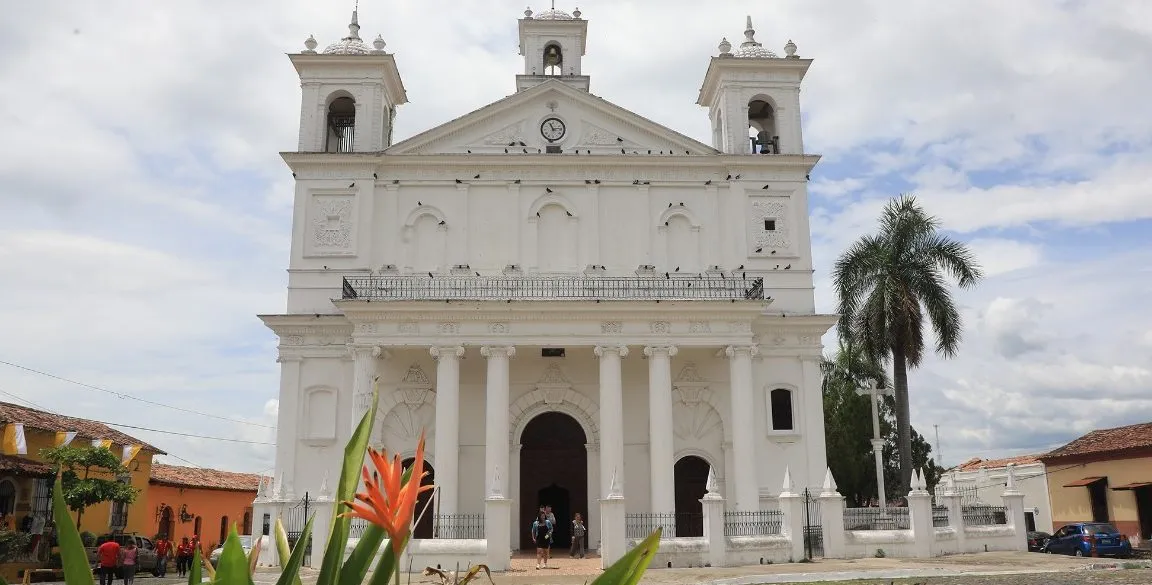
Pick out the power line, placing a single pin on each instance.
(122, 395)
(195, 436)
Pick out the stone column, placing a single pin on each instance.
(662, 457)
(611, 415)
(878, 455)
(447, 449)
(743, 474)
(364, 373)
(288, 416)
(496, 423)
(1014, 507)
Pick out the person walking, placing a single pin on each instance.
(578, 531)
(107, 558)
(183, 556)
(128, 561)
(542, 538)
(163, 547)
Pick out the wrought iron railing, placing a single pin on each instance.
(487, 288)
(984, 515)
(940, 516)
(341, 132)
(357, 527)
(759, 523)
(458, 526)
(641, 525)
(119, 520)
(876, 519)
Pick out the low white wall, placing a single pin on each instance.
(758, 550)
(444, 554)
(992, 538)
(677, 553)
(859, 544)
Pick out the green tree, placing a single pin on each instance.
(848, 423)
(921, 457)
(887, 283)
(90, 476)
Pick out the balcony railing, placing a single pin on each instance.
(607, 288)
(458, 526)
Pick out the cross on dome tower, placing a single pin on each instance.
(350, 92)
(552, 43)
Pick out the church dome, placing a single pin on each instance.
(348, 46)
(553, 14)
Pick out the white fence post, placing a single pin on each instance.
(613, 535)
(955, 504)
(713, 505)
(920, 517)
(832, 518)
(1014, 508)
(792, 508)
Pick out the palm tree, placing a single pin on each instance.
(887, 282)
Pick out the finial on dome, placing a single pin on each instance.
(790, 50)
(354, 26)
(379, 44)
(310, 44)
(528, 12)
(750, 35)
(576, 13)
(725, 47)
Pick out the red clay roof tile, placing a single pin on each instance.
(978, 463)
(195, 477)
(85, 429)
(1106, 441)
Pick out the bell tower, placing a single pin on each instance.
(753, 98)
(350, 92)
(552, 43)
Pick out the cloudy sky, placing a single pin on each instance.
(147, 210)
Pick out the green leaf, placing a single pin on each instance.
(72, 554)
(232, 568)
(282, 550)
(345, 491)
(290, 570)
(356, 566)
(387, 567)
(194, 575)
(630, 568)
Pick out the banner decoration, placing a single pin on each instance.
(105, 443)
(14, 441)
(64, 438)
(129, 454)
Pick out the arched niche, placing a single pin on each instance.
(426, 240)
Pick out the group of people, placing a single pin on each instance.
(542, 532)
(114, 559)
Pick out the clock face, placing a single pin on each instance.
(552, 129)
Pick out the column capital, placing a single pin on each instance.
(289, 357)
(369, 351)
(592, 447)
(651, 350)
(751, 349)
(446, 351)
(602, 350)
(490, 351)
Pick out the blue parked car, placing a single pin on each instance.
(1078, 539)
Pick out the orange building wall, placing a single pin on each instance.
(207, 504)
(96, 518)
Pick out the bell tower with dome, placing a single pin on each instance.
(350, 92)
(753, 97)
(552, 43)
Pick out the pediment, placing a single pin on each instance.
(513, 126)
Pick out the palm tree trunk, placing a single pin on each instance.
(903, 419)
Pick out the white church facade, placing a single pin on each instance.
(576, 303)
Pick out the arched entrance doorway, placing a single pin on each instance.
(423, 528)
(691, 479)
(166, 528)
(553, 472)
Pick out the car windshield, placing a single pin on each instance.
(1100, 529)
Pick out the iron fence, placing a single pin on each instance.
(294, 518)
(939, 517)
(876, 519)
(759, 523)
(488, 288)
(984, 515)
(641, 525)
(813, 526)
(458, 526)
(356, 527)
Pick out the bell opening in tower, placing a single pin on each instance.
(553, 59)
(762, 127)
(341, 134)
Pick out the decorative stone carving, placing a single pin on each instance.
(407, 419)
(808, 339)
(692, 417)
(661, 327)
(778, 340)
(553, 375)
(448, 328)
(699, 327)
(597, 136)
(504, 135)
(553, 395)
(292, 340)
(332, 223)
(611, 327)
(408, 328)
(366, 328)
(740, 327)
(416, 376)
(689, 374)
(498, 328)
(776, 211)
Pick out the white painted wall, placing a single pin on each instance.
(1031, 480)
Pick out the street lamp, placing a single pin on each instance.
(875, 393)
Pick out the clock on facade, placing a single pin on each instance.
(552, 129)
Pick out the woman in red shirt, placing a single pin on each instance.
(183, 556)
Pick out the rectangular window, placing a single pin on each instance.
(769, 225)
(781, 402)
(552, 352)
(1030, 521)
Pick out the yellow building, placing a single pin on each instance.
(26, 479)
(1104, 476)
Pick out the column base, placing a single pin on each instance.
(613, 536)
(498, 533)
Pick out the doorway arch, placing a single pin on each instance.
(423, 528)
(553, 472)
(691, 483)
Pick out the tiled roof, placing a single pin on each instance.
(195, 477)
(1106, 441)
(85, 429)
(17, 465)
(978, 463)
